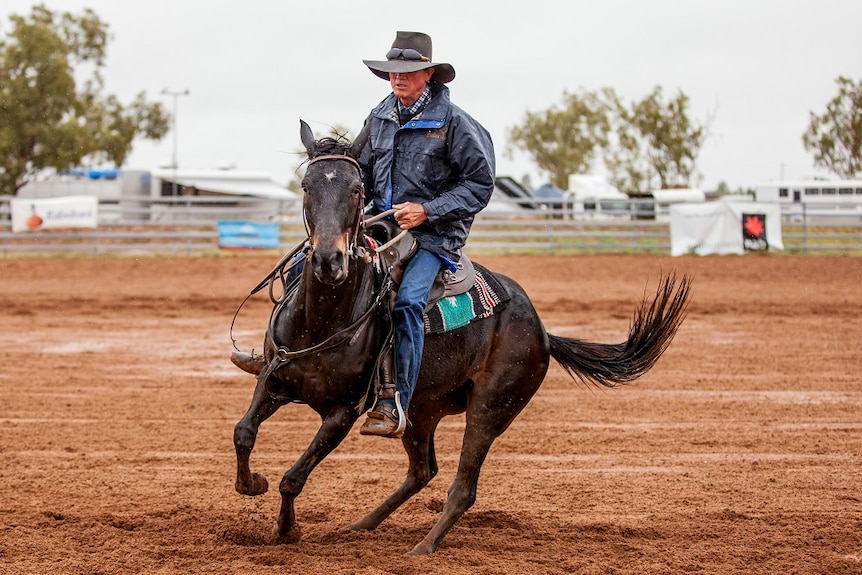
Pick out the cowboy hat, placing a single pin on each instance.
(411, 51)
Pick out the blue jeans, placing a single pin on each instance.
(409, 318)
(408, 314)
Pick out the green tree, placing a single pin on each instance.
(661, 134)
(564, 140)
(46, 119)
(621, 155)
(650, 143)
(722, 189)
(835, 137)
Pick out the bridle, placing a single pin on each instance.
(282, 355)
(360, 221)
(353, 234)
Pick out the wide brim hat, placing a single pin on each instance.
(411, 51)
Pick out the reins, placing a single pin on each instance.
(278, 270)
(283, 355)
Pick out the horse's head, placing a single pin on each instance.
(333, 202)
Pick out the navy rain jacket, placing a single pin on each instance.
(442, 159)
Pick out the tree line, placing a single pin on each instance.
(48, 120)
(653, 143)
(644, 144)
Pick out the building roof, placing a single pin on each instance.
(231, 182)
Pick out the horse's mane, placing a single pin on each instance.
(328, 145)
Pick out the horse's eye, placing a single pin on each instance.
(357, 190)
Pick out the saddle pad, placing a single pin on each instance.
(478, 302)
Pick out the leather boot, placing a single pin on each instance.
(386, 418)
(248, 362)
(383, 421)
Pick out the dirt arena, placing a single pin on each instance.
(740, 452)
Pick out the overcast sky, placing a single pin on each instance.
(254, 68)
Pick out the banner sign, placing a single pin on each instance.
(724, 228)
(33, 214)
(754, 233)
(240, 234)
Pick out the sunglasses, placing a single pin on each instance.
(406, 54)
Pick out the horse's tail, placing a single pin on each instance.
(650, 333)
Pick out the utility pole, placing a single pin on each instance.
(175, 95)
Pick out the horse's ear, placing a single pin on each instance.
(360, 141)
(307, 136)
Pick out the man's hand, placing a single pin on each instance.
(409, 215)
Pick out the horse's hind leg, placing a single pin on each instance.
(462, 492)
(494, 405)
(244, 435)
(418, 441)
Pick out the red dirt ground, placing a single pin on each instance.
(740, 452)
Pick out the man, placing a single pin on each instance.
(432, 163)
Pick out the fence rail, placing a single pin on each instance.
(188, 226)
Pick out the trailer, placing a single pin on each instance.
(655, 204)
(593, 197)
(804, 199)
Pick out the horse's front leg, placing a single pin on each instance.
(335, 427)
(244, 435)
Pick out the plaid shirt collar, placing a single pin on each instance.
(418, 105)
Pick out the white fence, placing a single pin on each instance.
(187, 226)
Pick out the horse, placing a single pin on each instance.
(324, 336)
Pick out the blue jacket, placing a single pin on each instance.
(442, 159)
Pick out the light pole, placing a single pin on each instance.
(175, 95)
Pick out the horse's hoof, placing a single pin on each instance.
(292, 536)
(259, 486)
(422, 549)
(358, 526)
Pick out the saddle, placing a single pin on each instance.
(399, 251)
(393, 248)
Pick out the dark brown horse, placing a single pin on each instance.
(323, 341)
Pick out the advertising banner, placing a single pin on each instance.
(34, 214)
(724, 228)
(241, 234)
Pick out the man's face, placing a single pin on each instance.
(408, 86)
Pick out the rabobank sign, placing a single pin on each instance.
(34, 214)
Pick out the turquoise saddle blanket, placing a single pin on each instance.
(478, 302)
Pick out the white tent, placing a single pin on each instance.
(724, 228)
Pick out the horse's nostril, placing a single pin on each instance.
(329, 267)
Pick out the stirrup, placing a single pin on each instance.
(385, 420)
